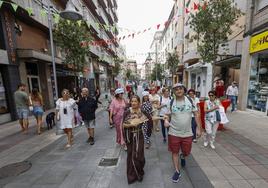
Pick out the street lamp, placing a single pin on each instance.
(71, 14)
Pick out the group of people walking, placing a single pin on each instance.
(179, 116)
(134, 119)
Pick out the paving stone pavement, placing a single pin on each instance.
(77, 167)
(239, 160)
(241, 155)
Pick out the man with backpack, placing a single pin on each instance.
(180, 130)
(87, 107)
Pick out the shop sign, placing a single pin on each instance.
(259, 42)
(10, 39)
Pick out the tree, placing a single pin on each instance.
(128, 74)
(117, 68)
(212, 25)
(157, 73)
(69, 36)
(172, 63)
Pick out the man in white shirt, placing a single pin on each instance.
(232, 93)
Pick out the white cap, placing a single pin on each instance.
(145, 93)
(178, 85)
(119, 91)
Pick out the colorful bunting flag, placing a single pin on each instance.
(187, 11)
(43, 13)
(56, 18)
(79, 22)
(158, 26)
(1, 2)
(133, 35)
(30, 11)
(204, 6)
(196, 6)
(14, 6)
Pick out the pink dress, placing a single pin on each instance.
(118, 108)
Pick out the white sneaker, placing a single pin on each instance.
(206, 143)
(212, 145)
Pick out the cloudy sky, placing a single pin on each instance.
(137, 15)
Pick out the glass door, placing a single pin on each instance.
(33, 82)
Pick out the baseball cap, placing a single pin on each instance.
(119, 91)
(145, 93)
(180, 85)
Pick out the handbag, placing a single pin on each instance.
(31, 105)
(218, 116)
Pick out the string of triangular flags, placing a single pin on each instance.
(43, 13)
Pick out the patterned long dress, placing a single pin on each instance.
(117, 107)
(135, 147)
(147, 109)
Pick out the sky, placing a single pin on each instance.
(137, 15)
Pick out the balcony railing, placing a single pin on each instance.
(102, 16)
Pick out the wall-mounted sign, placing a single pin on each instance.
(10, 44)
(259, 42)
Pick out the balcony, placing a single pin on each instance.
(102, 16)
(115, 15)
(91, 4)
(96, 51)
(109, 15)
(115, 3)
(102, 3)
(191, 54)
(37, 6)
(91, 20)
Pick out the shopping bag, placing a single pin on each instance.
(224, 119)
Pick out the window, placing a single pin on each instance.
(2, 41)
(186, 43)
(3, 102)
(260, 4)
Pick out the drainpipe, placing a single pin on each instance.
(252, 8)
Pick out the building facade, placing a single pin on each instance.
(253, 82)
(25, 53)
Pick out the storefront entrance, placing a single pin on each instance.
(258, 82)
(33, 82)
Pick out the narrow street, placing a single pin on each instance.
(53, 166)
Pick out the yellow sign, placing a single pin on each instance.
(259, 42)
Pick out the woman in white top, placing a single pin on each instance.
(65, 114)
(155, 100)
(212, 122)
(164, 109)
(196, 102)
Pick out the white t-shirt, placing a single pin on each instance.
(181, 118)
(232, 91)
(66, 120)
(165, 101)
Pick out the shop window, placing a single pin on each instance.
(3, 102)
(258, 84)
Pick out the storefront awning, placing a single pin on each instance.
(231, 62)
(35, 55)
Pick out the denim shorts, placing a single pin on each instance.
(90, 124)
(22, 113)
(37, 111)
